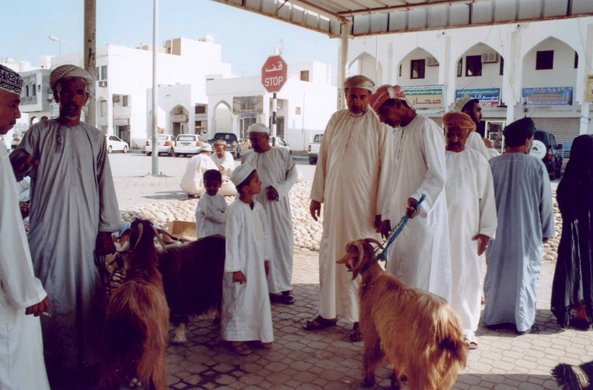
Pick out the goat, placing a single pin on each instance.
(415, 331)
(574, 377)
(192, 278)
(137, 317)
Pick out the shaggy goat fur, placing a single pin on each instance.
(137, 318)
(415, 331)
(574, 377)
(192, 278)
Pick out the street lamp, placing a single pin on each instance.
(56, 39)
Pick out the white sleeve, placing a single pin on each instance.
(267, 237)
(488, 216)
(318, 187)
(210, 211)
(233, 229)
(290, 177)
(386, 157)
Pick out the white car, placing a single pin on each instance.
(187, 144)
(16, 139)
(164, 142)
(115, 144)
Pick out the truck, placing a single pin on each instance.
(314, 148)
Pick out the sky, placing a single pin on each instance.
(247, 38)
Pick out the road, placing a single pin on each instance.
(136, 187)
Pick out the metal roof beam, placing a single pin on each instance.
(310, 6)
(392, 8)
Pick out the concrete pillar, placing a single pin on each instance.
(343, 65)
(585, 63)
(89, 56)
(155, 87)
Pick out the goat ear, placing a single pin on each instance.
(140, 231)
(124, 238)
(166, 237)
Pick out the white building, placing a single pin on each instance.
(305, 103)
(124, 84)
(536, 69)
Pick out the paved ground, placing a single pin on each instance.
(328, 360)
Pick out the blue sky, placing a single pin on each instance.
(247, 39)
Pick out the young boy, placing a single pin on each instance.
(246, 312)
(210, 213)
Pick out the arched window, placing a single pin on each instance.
(33, 91)
(27, 90)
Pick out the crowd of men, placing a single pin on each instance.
(366, 179)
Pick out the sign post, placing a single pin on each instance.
(273, 77)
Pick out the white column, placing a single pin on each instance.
(155, 88)
(343, 65)
(89, 56)
(585, 63)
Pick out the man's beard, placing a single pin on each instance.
(360, 111)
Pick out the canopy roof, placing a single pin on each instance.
(371, 17)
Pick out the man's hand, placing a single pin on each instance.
(273, 194)
(221, 168)
(315, 209)
(267, 267)
(22, 162)
(385, 228)
(412, 209)
(546, 239)
(482, 244)
(24, 207)
(239, 277)
(39, 308)
(105, 245)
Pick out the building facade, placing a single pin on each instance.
(536, 69)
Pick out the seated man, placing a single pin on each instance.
(192, 182)
(226, 164)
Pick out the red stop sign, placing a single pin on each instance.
(274, 74)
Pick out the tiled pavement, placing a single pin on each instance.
(328, 360)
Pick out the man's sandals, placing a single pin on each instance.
(356, 334)
(286, 298)
(241, 348)
(319, 323)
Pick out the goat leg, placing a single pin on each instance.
(395, 382)
(373, 356)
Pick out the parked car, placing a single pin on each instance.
(232, 143)
(164, 142)
(16, 140)
(187, 144)
(116, 144)
(553, 152)
(281, 143)
(314, 148)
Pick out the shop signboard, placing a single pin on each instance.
(589, 96)
(550, 96)
(426, 96)
(248, 104)
(486, 96)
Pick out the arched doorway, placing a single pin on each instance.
(366, 65)
(222, 120)
(419, 67)
(179, 120)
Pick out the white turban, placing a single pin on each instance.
(241, 173)
(360, 81)
(206, 148)
(68, 71)
(258, 128)
(458, 107)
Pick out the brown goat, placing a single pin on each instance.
(137, 317)
(192, 278)
(415, 331)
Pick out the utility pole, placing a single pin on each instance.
(155, 87)
(89, 56)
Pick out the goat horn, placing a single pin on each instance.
(360, 248)
(158, 236)
(140, 231)
(373, 241)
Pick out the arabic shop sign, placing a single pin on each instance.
(428, 96)
(486, 96)
(552, 96)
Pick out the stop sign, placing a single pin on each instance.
(274, 74)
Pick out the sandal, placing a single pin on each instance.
(241, 348)
(533, 330)
(265, 345)
(470, 344)
(319, 323)
(287, 297)
(356, 334)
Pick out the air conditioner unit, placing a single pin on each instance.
(103, 84)
(431, 61)
(489, 57)
(50, 97)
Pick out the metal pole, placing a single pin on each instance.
(274, 109)
(343, 68)
(89, 56)
(155, 86)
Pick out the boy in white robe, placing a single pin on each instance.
(210, 213)
(22, 366)
(472, 220)
(246, 311)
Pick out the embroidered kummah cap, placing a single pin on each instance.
(459, 119)
(462, 102)
(360, 81)
(10, 80)
(258, 128)
(386, 92)
(68, 71)
(206, 148)
(241, 173)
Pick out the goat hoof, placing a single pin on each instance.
(180, 337)
(135, 383)
(367, 382)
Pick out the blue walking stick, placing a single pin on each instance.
(382, 256)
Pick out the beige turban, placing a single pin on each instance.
(360, 81)
(460, 120)
(68, 71)
(220, 142)
(241, 173)
(258, 128)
